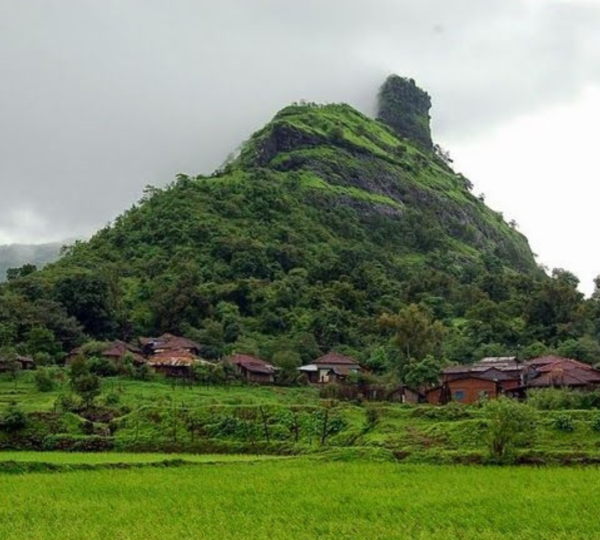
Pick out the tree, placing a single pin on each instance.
(43, 380)
(509, 424)
(85, 295)
(288, 363)
(414, 332)
(421, 373)
(85, 384)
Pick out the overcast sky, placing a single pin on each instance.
(100, 97)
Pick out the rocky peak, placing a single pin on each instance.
(404, 107)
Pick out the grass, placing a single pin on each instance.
(302, 499)
(158, 392)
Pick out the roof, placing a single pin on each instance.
(120, 348)
(174, 362)
(253, 364)
(311, 368)
(169, 341)
(333, 358)
(549, 363)
(498, 360)
(550, 359)
(502, 366)
(566, 365)
(470, 376)
(568, 377)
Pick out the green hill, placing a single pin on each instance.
(326, 220)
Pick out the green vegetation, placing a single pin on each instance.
(161, 416)
(303, 499)
(325, 224)
(405, 108)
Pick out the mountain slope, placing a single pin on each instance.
(324, 222)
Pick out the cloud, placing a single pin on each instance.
(100, 98)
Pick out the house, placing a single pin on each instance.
(405, 394)
(492, 377)
(469, 383)
(557, 372)
(169, 342)
(253, 369)
(114, 351)
(18, 362)
(174, 363)
(468, 388)
(332, 367)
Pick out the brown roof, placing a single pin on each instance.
(562, 363)
(335, 359)
(551, 359)
(174, 358)
(118, 349)
(566, 377)
(169, 341)
(252, 363)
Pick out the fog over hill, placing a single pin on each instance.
(17, 255)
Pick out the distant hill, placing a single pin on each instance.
(17, 255)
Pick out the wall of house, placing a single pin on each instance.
(260, 378)
(472, 390)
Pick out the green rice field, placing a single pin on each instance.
(302, 499)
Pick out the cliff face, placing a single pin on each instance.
(404, 107)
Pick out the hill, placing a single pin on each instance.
(325, 222)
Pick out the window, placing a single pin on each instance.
(458, 395)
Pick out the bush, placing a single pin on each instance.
(564, 422)
(102, 367)
(43, 359)
(557, 399)
(596, 424)
(44, 382)
(510, 424)
(14, 419)
(67, 403)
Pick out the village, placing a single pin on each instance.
(178, 358)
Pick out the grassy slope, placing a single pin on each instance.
(157, 393)
(157, 418)
(363, 147)
(302, 500)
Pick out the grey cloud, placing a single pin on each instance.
(100, 98)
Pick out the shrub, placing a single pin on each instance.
(43, 359)
(564, 422)
(14, 419)
(102, 367)
(112, 399)
(66, 403)
(44, 382)
(596, 424)
(510, 424)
